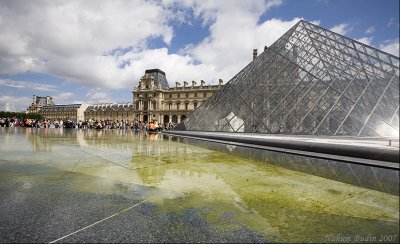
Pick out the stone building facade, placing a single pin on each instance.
(45, 106)
(39, 102)
(154, 100)
(73, 112)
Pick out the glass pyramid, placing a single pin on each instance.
(311, 81)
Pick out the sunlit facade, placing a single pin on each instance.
(38, 102)
(154, 100)
(73, 112)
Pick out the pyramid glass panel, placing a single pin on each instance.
(311, 81)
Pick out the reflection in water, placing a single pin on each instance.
(381, 179)
(282, 203)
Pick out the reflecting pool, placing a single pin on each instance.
(190, 191)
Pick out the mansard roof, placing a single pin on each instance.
(42, 101)
(159, 77)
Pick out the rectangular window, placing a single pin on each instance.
(195, 105)
(205, 94)
(170, 95)
(186, 106)
(187, 94)
(195, 95)
(179, 95)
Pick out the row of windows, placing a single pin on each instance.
(57, 113)
(178, 104)
(187, 95)
(103, 113)
(170, 95)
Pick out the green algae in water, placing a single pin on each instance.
(228, 192)
(285, 205)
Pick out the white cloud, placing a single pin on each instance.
(63, 98)
(98, 95)
(390, 22)
(341, 29)
(365, 40)
(29, 85)
(391, 46)
(69, 38)
(370, 30)
(234, 32)
(103, 44)
(14, 103)
(230, 50)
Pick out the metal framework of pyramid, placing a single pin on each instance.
(311, 81)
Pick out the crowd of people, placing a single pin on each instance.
(153, 126)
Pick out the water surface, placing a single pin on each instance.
(224, 196)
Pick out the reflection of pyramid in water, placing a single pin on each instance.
(310, 81)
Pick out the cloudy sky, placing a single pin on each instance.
(96, 51)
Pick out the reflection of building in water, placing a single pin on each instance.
(43, 139)
(39, 143)
(380, 179)
(159, 157)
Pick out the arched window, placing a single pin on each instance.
(166, 119)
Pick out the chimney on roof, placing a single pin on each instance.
(254, 54)
(202, 82)
(185, 84)
(220, 81)
(193, 83)
(48, 100)
(177, 84)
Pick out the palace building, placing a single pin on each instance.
(46, 107)
(152, 100)
(39, 102)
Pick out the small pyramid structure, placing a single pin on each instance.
(311, 81)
